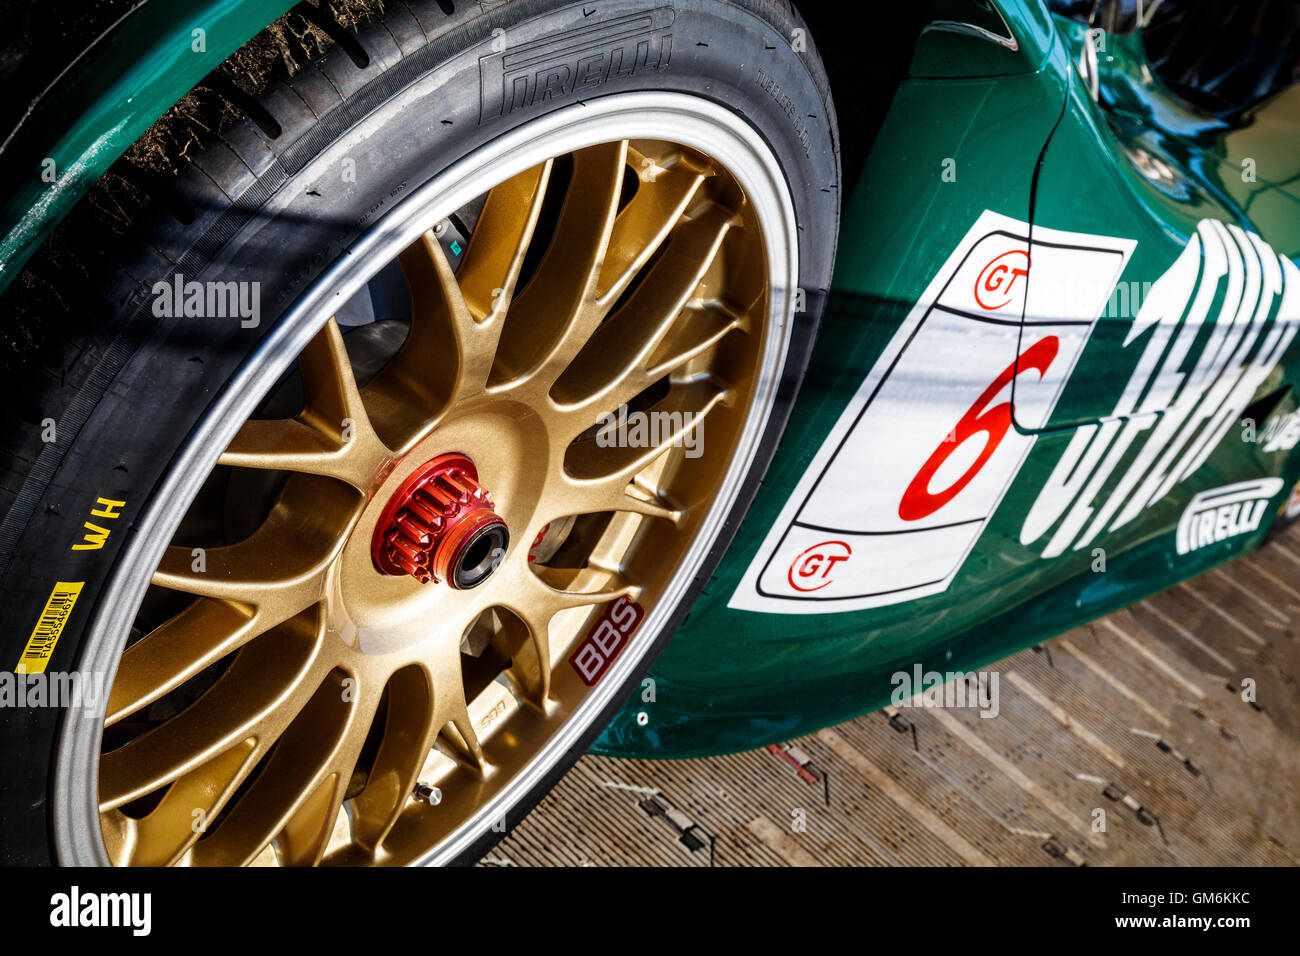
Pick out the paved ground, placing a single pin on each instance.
(1139, 715)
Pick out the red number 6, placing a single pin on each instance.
(918, 502)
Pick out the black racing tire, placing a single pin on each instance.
(125, 388)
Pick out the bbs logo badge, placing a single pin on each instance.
(606, 639)
(572, 61)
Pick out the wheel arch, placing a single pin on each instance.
(115, 89)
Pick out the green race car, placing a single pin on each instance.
(408, 396)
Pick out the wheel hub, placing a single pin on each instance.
(440, 525)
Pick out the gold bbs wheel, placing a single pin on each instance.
(364, 596)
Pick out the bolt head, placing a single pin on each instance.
(427, 794)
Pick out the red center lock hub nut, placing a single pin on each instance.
(440, 526)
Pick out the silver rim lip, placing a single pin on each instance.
(676, 117)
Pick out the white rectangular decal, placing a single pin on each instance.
(918, 462)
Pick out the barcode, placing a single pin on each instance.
(40, 646)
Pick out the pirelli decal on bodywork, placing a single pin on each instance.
(918, 462)
(1221, 513)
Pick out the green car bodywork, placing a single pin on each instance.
(994, 118)
(1136, 165)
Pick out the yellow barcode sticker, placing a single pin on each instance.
(46, 633)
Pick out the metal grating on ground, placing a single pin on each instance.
(1139, 715)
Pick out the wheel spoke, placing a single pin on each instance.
(330, 385)
(410, 731)
(297, 796)
(331, 436)
(490, 270)
(457, 317)
(255, 698)
(175, 651)
(291, 445)
(307, 832)
(620, 352)
(632, 498)
(662, 198)
(566, 588)
(525, 632)
(697, 331)
(164, 835)
(450, 707)
(279, 569)
(528, 622)
(683, 410)
(553, 316)
(436, 362)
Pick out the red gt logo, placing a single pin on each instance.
(811, 570)
(918, 500)
(994, 284)
(606, 639)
